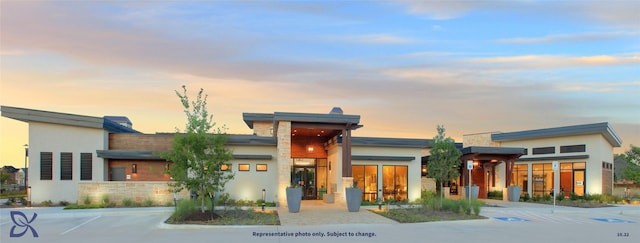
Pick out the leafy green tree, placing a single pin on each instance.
(444, 159)
(631, 171)
(199, 157)
(5, 177)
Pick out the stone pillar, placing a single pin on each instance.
(284, 160)
(340, 195)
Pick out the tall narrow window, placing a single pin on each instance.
(66, 166)
(86, 166)
(394, 182)
(366, 177)
(46, 166)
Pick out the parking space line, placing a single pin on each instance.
(80, 225)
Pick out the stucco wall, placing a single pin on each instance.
(414, 172)
(597, 148)
(248, 185)
(44, 137)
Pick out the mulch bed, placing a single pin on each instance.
(230, 217)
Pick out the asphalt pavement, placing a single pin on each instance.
(506, 222)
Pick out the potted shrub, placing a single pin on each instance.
(294, 198)
(514, 193)
(354, 198)
(474, 191)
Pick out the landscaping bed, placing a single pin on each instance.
(431, 208)
(234, 216)
(419, 214)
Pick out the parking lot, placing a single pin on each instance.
(505, 223)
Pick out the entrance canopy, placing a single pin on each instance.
(484, 161)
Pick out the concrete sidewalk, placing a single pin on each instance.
(316, 212)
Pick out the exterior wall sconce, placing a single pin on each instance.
(309, 148)
(134, 168)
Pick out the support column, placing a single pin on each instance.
(346, 152)
(283, 160)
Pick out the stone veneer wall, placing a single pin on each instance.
(479, 139)
(284, 160)
(428, 184)
(117, 191)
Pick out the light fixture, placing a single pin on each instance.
(310, 148)
(134, 168)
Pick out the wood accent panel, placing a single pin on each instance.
(153, 142)
(147, 170)
(299, 147)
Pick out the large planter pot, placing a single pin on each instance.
(294, 198)
(354, 198)
(474, 192)
(514, 193)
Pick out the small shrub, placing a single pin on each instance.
(105, 199)
(526, 197)
(46, 203)
(168, 204)
(127, 202)
(87, 200)
(560, 197)
(573, 196)
(546, 198)
(147, 202)
(184, 209)
(495, 195)
(63, 203)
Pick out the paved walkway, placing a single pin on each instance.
(317, 212)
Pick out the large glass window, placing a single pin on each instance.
(366, 177)
(394, 182)
(542, 179)
(520, 177)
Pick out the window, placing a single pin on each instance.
(526, 151)
(66, 166)
(261, 167)
(542, 179)
(520, 177)
(573, 148)
(243, 167)
(394, 182)
(46, 166)
(224, 167)
(366, 177)
(544, 150)
(86, 166)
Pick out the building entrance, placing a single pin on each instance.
(310, 175)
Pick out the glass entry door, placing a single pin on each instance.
(305, 177)
(579, 182)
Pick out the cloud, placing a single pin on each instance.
(373, 39)
(619, 13)
(557, 61)
(580, 37)
(598, 86)
(440, 10)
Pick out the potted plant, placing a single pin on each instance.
(354, 197)
(514, 193)
(474, 191)
(294, 198)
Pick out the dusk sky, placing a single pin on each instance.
(404, 66)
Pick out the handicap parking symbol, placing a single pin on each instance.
(608, 220)
(511, 219)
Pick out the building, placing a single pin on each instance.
(78, 158)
